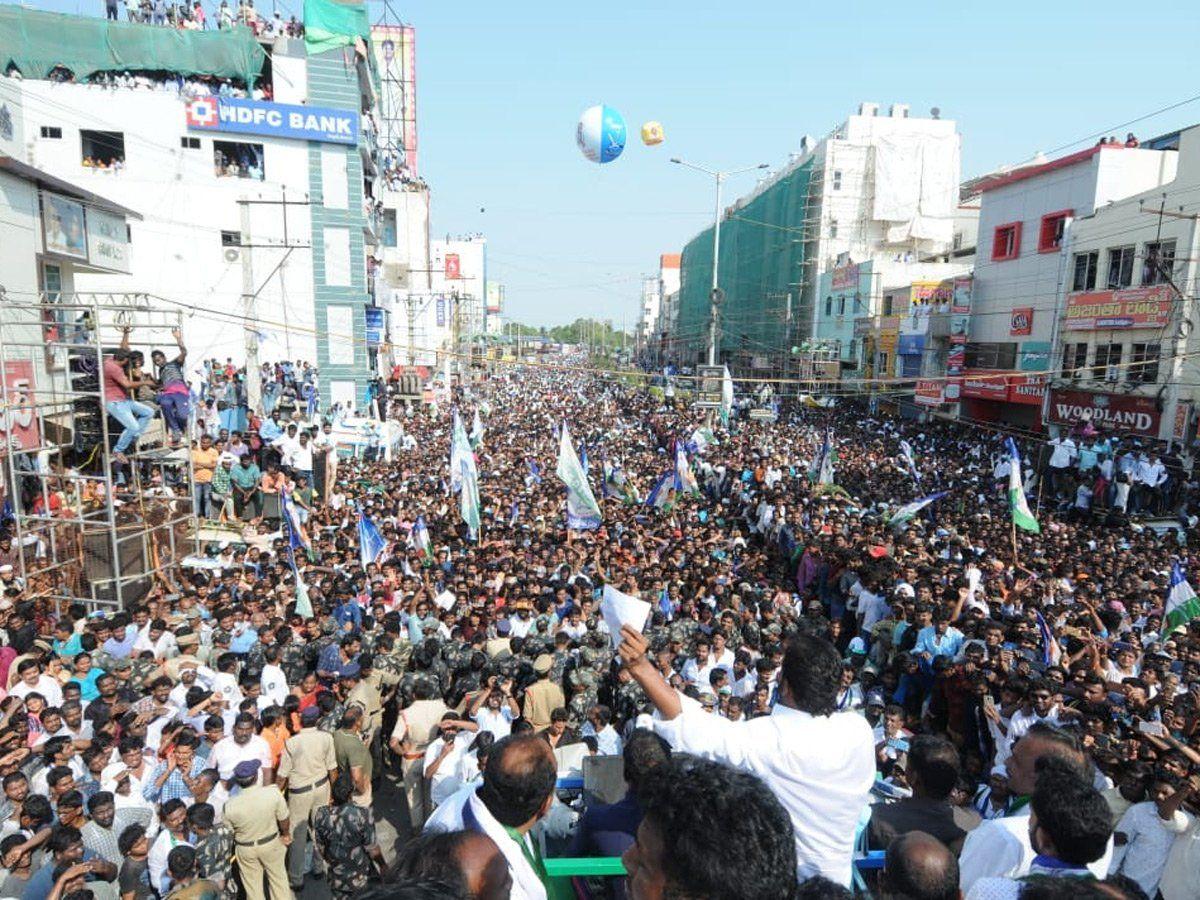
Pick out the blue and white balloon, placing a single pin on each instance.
(600, 134)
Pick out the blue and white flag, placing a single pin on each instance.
(514, 514)
(1182, 603)
(607, 488)
(418, 539)
(685, 481)
(476, 435)
(1022, 516)
(460, 450)
(583, 457)
(909, 510)
(664, 603)
(583, 513)
(821, 470)
(535, 472)
(909, 461)
(662, 495)
(469, 504)
(371, 543)
(1051, 652)
(296, 536)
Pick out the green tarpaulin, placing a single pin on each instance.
(329, 24)
(36, 42)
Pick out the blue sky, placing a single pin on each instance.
(501, 86)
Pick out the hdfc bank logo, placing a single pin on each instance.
(202, 113)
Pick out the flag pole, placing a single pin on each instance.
(1013, 526)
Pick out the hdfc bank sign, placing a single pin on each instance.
(306, 123)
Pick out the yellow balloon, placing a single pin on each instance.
(652, 133)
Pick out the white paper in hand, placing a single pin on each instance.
(444, 600)
(621, 609)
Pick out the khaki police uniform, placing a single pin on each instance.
(254, 816)
(307, 760)
(417, 728)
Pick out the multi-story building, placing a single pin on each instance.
(459, 285)
(1023, 265)
(879, 187)
(257, 204)
(650, 306)
(1124, 339)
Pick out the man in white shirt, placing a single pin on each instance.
(819, 763)
(1001, 848)
(241, 746)
(34, 682)
(1147, 833)
(443, 755)
(495, 711)
(1178, 880)
(599, 726)
(1062, 457)
(696, 671)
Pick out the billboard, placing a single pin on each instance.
(1108, 412)
(845, 278)
(18, 421)
(710, 382)
(495, 297)
(374, 323)
(108, 241)
(937, 294)
(1027, 389)
(1144, 307)
(1021, 321)
(279, 120)
(985, 384)
(63, 228)
(453, 266)
(441, 312)
(929, 393)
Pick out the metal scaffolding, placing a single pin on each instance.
(89, 528)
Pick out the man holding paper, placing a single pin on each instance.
(820, 763)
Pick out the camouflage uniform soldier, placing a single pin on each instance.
(214, 849)
(345, 838)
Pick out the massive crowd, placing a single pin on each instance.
(994, 712)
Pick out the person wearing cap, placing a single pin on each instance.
(543, 696)
(262, 831)
(306, 768)
(416, 727)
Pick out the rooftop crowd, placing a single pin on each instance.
(998, 713)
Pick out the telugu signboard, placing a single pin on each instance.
(108, 241)
(280, 120)
(1144, 307)
(374, 323)
(929, 393)
(1108, 412)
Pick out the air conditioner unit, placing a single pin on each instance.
(232, 254)
(396, 274)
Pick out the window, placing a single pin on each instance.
(189, 143)
(1084, 277)
(833, 228)
(842, 305)
(1051, 234)
(1143, 361)
(1074, 359)
(888, 304)
(1120, 267)
(829, 305)
(1159, 262)
(837, 179)
(958, 241)
(1006, 242)
(231, 239)
(102, 149)
(51, 132)
(232, 159)
(985, 355)
(390, 238)
(1107, 365)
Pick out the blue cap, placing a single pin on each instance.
(309, 715)
(247, 768)
(350, 670)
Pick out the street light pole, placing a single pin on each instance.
(714, 297)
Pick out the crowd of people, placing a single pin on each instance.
(192, 16)
(973, 710)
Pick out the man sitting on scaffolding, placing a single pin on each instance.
(131, 414)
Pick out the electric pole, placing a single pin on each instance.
(250, 312)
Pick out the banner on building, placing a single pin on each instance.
(374, 326)
(441, 312)
(280, 120)
(1108, 412)
(929, 393)
(64, 230)
(1034, 356)
(453, 266)
(845, 278)
(956, 359)
(1027, 389)
(495, 297)
(1144, 307)
(1021, 321)
(936, 294)
(710, 386)
(1183, 415)
(984, 384)
(18, 419)
(108, 241)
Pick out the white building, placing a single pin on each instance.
(1022, 266)
(238, 198)
(651, 302)
(1123, 353)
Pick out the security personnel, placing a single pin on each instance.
(306, 768)
(363, 693)
(415, 730)
(262, 831)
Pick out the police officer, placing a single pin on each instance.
(415, 730)
(262, 830)
(307, 766)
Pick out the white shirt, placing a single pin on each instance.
(445, 782)
(227, 753)
(820, 768)
(1150, 837)
(274, 684)
(1063, 453)
(498, 722)
(1000, 848)
(698, 674)
(156, 861)
(46, 686)
(1010, 888)
(1183, 862)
